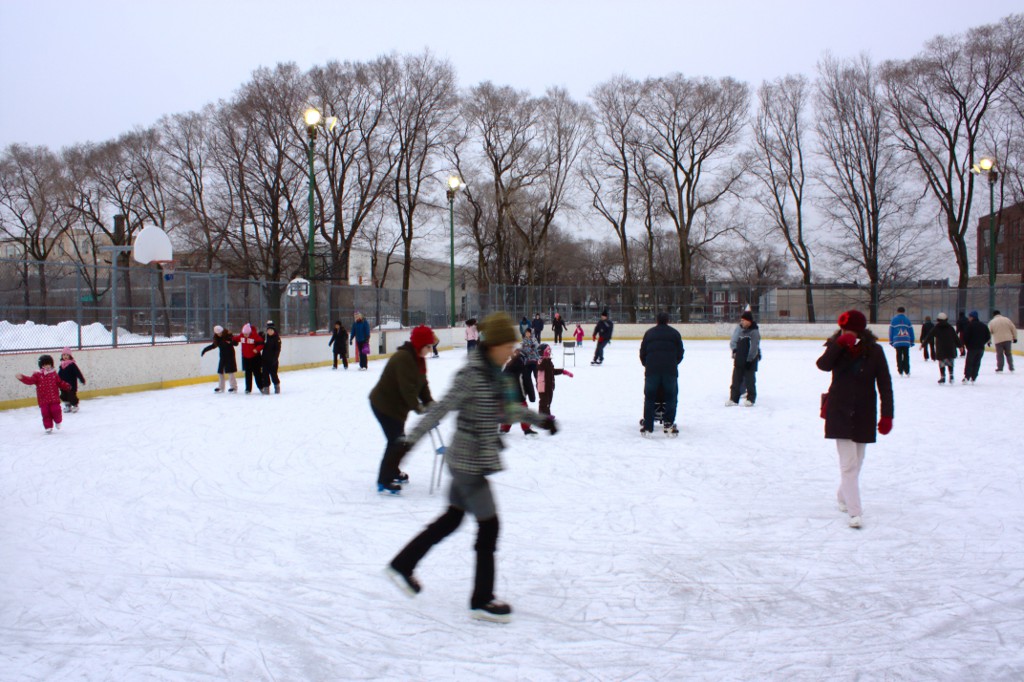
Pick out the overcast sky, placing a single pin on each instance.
(87, 70)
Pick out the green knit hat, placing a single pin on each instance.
(497, 329)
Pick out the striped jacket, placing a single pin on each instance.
(481, 395)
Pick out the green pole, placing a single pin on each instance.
(992, 241)
(312, 266)
(451, 234)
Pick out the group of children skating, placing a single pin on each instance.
(260, 358)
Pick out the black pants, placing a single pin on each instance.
(445, 525)
(558, 335)
(930, 346)
(528, 375)
(599, 353)
(344, 359)
(253, 370)
(545, 402)
(393, 430)
(665, 387)
(363, 361)
(973, 363)
(270, 373)
(903, 360)
(742, 375)
(69, 397)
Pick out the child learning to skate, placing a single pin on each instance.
(71, 374)
(546, 379)
(48, 387)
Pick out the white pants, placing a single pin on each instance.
(851, 459)
(230, 378)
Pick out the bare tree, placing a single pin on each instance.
(608, 168)
(692, 126)
(260, 141)
(779, 166)
(941, 100)
(33, 212)
(422, 110)
(866, 193)
(501, 124)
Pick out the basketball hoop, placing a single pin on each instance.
(167, 266)
(298, 288)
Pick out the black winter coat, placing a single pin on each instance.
(852, 411)
(339, 342)
(515, 370)
(71, 375)
(271, 349)
(661, 351)
(947, 341)
(976, 335)
(226, 347)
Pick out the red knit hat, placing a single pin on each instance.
(853, 321)
(421, 336)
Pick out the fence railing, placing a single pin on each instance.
(46, 305)
(724, 301)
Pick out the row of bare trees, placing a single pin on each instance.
(847, 174)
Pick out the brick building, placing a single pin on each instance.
(1009, 242)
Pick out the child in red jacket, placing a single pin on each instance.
(252, 348)
(48, 387)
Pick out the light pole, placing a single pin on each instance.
(313, 121)
(454, 185)
(987, 166)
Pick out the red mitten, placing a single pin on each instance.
(567, 373)
(885, 425)
(847, 340)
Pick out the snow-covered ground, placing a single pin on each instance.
(183, 535)
(31, 336)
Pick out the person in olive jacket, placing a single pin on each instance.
(858, 365)
(402, 388)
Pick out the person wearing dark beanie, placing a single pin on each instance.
(480, 395)
(850, 408)
(401, 389)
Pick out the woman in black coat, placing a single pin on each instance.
(226, 368)
(858, 365)
(339, 344)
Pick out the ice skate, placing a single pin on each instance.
(494, 611)
(401, 479)
(731, 403)
(644, 433)
(277, 388)
(748, 403)
(406, 583)
(49, 430)
(842, 507)
(671, 431)
(854, 522)
(389, 489)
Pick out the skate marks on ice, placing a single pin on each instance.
(180, 534)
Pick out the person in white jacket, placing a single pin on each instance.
(1004, 335)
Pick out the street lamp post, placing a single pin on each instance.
(987, 166)
(313, 121)
(454, 185)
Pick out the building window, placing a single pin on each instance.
(999, 262)
(734, 297)
(718, 311)
(719, 297)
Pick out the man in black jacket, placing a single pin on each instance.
(661, 351)
(976, 335)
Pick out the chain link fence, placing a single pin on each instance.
(724, 301)
(49, 305)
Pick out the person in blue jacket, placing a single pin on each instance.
(360, 336)
(901, 337)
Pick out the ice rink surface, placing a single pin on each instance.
(184, 535)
